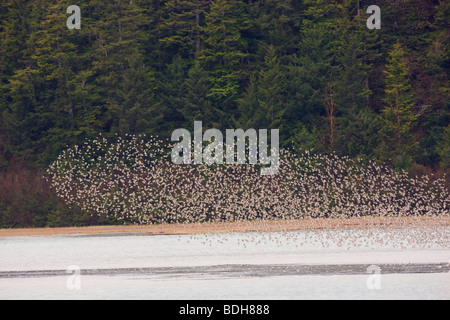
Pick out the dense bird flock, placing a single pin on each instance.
(134, 180)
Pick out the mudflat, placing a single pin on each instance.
(239, 226)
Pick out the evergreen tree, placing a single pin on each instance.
(356, 56)
(276, 23)
(310, 68)
(18, 81)
(432, 87)
(443, 149)
(14, 30)
(331, 109)
(134, 110)
(182, 26)
(196, 103)
(398, 141)
(223, 50)
(55, 57)
(114, 29)
(264, 103)
(308, 75)
(301, 139)
(248, 113)
(358, 135)
(334, 15)
(171, 96)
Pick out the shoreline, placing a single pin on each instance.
(229, 227)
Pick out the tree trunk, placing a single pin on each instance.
(330, 107)
(197, 40)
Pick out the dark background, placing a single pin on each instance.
(309, 68)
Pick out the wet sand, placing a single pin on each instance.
(226, 227)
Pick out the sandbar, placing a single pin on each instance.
(239, 226)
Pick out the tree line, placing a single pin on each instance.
(310, 68)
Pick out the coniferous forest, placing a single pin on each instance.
(310, 68)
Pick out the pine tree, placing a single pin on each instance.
(181, 26)
(171, 96)
(114, 29)
(358, 134)
(276, 23)
(248, 114)
(62, 68)
(307, 76)
(223, 49)
(133, 111)
(355, 57)
(263, 105)
(14, 30)
(331, 14)
(397, 139)
(330, 104)
(55, 56)
(443, 148)
(196, 103)
(26, 113)
(432, 87)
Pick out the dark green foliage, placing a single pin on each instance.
(397, 140)
(310, 68)
(443, 149)
(263, 106)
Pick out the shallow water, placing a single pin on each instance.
(393, 286)
(413, 263)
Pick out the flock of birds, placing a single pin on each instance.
(412, 236)
(133, 179)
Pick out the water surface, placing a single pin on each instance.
(413, 264)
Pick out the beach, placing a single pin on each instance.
(228, 227)
(298, 259)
